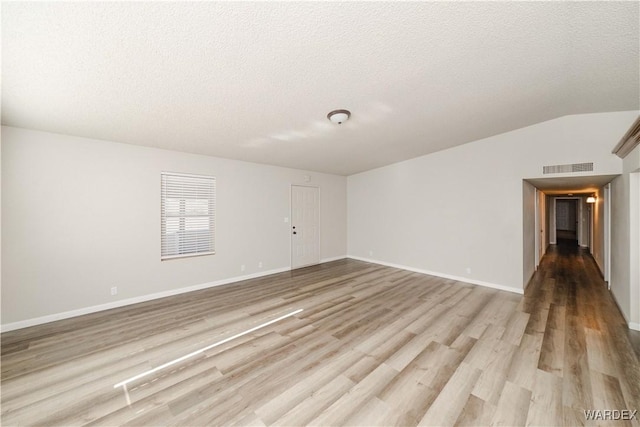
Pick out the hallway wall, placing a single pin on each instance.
(541, 231)
(634, 250)
(597, 209)
(548, 201)
(528, 231)
(625, 239)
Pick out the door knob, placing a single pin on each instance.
(295, 232)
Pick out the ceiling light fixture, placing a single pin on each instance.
(339, 116)
(591, 199)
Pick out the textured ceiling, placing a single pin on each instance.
(254, 81)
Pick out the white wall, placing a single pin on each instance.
(598, 212)
(634, 250)
(582, 216)
(549, 225)
(620, 243)
(80, 216)
(528, 231)
(551, 212)
(463, 207)
(0, 219)
(625, 239)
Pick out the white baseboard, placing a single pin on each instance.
(121, 303)
(443, 275)
(632, 325)
(335, 258)
(101, 307)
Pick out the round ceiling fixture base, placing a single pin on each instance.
(339, 116)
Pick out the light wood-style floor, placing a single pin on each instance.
(373, 346)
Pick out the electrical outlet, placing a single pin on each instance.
(468, 270)
(370, 253)
(242, 267)
(260, 264)
(114, 290)
(286, 219)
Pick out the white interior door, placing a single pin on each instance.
(305, 218)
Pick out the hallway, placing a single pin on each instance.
(586, 343)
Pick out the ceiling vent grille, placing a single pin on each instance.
(575, 167)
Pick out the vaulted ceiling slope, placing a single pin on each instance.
(254, 81)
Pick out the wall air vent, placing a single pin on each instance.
(575, 167)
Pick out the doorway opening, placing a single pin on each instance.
(556, 212)
(567, 222)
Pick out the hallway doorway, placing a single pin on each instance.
(567, 222)
(556, 213)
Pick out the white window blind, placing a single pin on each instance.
(188, 215)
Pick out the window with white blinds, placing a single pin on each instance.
(188, 215)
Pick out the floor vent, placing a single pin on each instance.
(576, 167)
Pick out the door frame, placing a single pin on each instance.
(291, 223)
(607, 235)
(541, 225)
(538, 234)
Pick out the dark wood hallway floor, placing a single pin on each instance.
(574, 266)
(587, 345)
(374, 346)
